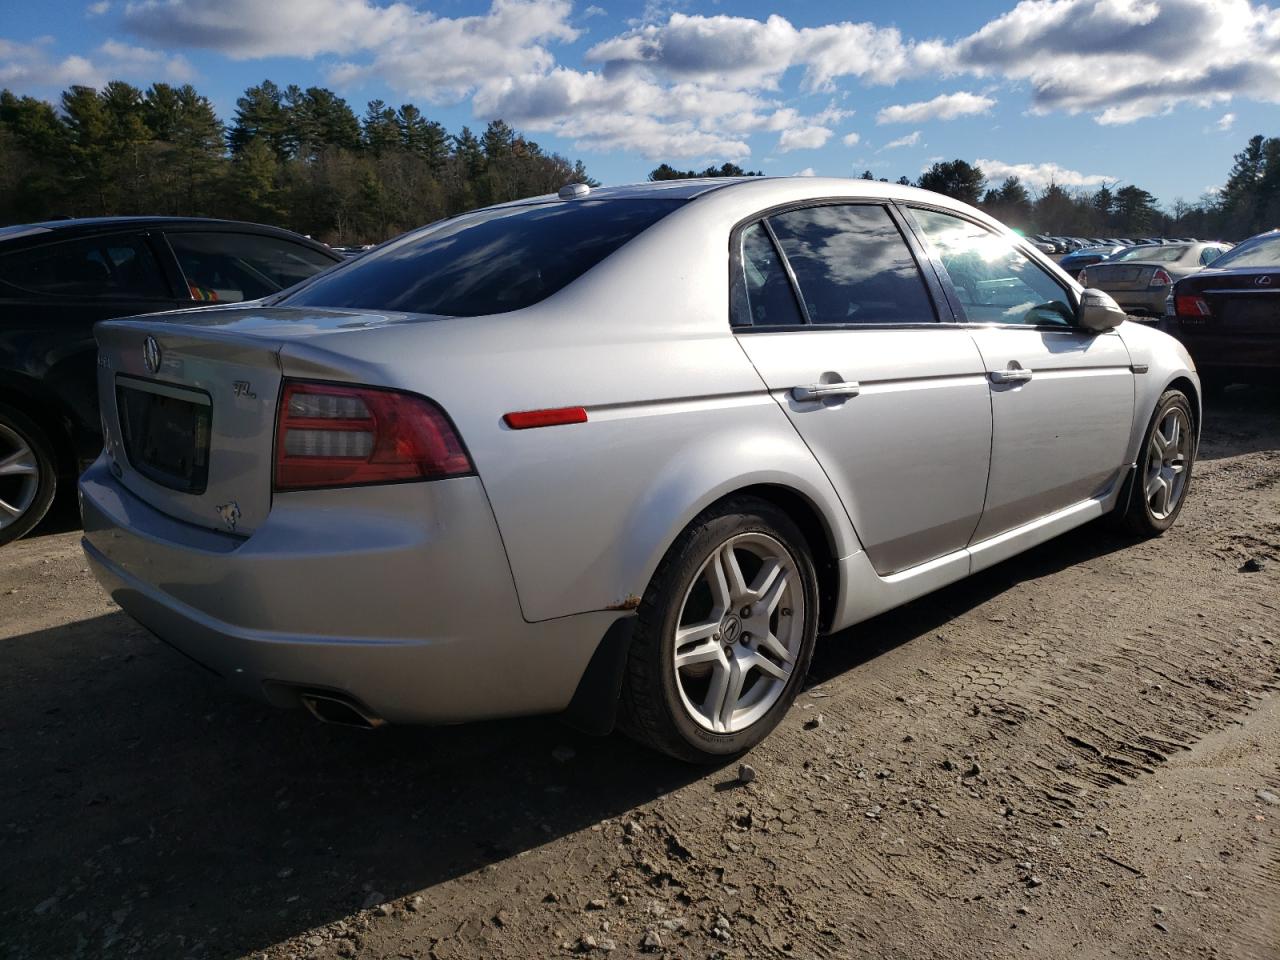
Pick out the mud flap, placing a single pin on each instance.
(594, 707)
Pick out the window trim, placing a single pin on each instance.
(961, 318)
(740, 306)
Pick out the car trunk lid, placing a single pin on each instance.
(1121, 276)
(1247, 300)
(189, 405)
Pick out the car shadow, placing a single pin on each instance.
(865, 641)
(147, 806)
(1241, 420)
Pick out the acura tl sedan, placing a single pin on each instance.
(618, 453)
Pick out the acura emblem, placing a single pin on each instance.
(151, 354)
(1263, 281)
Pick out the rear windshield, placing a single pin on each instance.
(1152, 254)
(491, 261)
(1264, 252)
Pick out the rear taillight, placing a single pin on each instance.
(1190, 306)
(1160, 278)
(337, 436)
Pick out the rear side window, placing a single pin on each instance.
(115, 267)
(231, 267)
(1209, 254)
(771, 301)
(852, 265)
(491, 261)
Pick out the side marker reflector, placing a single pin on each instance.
(527, 419)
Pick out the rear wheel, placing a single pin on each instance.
(1163, 476)
(28, 474)
(725, 634)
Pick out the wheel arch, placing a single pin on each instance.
(1185, 384)
(42, 407)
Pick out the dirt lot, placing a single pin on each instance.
(1076, 754)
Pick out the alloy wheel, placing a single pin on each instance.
(1168, 457)
(19, 476)
(739, 633)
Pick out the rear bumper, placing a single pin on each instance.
(399, 597)
(1142, 302)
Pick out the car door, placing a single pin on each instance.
(221, 266)
(1062, 397)
(831, 306)
(51, 295)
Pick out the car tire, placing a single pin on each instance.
(746, 638)
(28, 474)
(1162, 480)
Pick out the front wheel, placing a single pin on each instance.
(725, 635)
(1165, 460)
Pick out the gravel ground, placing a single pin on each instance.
(1075, 754)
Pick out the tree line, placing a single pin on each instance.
(1248, 203)
(296, 158)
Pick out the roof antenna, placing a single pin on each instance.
(573, 191)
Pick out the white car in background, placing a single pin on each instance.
(618, 450)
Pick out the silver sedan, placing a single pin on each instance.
(1141, 278)
(619, 453)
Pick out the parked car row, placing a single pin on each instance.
(1071, 244)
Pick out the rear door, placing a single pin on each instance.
(53, 292)
(231, 267)
(892, 402)
(1062, 397)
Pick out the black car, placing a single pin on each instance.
(1228, 315)
(57, 279)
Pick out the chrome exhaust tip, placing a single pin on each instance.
(339, 709)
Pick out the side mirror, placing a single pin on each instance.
(1098, 312)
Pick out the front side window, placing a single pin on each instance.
(852, 265)
(771, 300)
(995, 282)
(119, 266)
(232, 267)
(491, 261)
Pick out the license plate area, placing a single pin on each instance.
(165, 432)
(1253, 311)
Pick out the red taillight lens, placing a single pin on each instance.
(1190, 306)
(334, 436)
(1160, 278)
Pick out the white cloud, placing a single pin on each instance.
(803, 138)
(851, 139)
(1040, 175)
(806, 172)
(1122, 60)
(99, 8)
(946, 106)
(416, 52)
(1226, 121)
(594, 11)
(910, 140)
(33, 65)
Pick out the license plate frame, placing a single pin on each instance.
(165, 431)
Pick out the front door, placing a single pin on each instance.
(893, 403)
(1062, 397)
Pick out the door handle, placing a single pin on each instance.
(820, 391)
(1011, 375)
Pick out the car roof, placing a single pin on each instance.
(91, 224)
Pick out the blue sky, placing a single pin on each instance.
(1156, 92)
